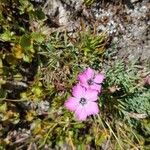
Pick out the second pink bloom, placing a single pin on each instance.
(91, 79)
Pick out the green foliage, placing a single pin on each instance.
(139, 103)
(123, 76)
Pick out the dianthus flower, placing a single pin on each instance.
(83, 102)
(91, 79)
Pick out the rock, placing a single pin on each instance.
(62, 10)
(134, 1)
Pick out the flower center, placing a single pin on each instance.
(82, 101)
(90, 82)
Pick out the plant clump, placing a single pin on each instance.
(110, 99)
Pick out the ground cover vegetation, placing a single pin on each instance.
(39, 68)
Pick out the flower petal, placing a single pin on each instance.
(82, 78)
(81, 113)
(78, 91)
(91, 108)
(99, 78)
(89, 73)
(91, 95)
(96, 87)
(71, 103)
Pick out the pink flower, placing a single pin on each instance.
(148, 80)
(83, 102)
(90, 79)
